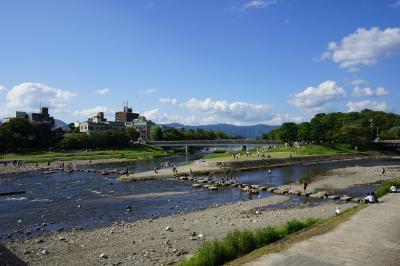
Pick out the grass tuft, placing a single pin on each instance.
(384, 189)
(239, 243)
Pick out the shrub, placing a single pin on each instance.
(239, 243)
(381, 191)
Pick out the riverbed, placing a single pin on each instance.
(82, 200)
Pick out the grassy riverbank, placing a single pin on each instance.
(286, 152)
(322, 227)
(137, 151)
(239, 243)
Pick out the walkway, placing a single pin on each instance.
(371, 237)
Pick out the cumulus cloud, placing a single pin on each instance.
(240, 111)
(30, 96)
(364, 47)
(103, 91)
(2, 88)
(88, 113)
(168, 100)
(379, 91)
(317, 99)
(367, 104)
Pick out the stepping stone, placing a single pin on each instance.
(183, 178)
(356, 200)
(212, 188)
(305, 194)
(334, 197)
(271, 189)
(263, 189)
(345, 198)
(196, 186)
(297, 192)
(206, 186)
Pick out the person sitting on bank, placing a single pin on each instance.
(375, 196)
(369, 198)
(393, 189)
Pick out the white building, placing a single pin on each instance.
(142, 126)
(98, 123)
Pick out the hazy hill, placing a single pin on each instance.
(231, 130)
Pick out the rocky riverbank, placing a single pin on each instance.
(171, 238)
(225, 165)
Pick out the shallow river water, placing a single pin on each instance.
(63, 201)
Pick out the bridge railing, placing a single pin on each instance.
(206, 142)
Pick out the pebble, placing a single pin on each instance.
(168, 229)
(44, 252)
(103, 256)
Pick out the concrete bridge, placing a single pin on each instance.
(395, 143)
(211, 143)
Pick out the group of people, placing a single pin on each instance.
(371, 198)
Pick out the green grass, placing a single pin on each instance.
(384, 189)
(321, 227)
(285, 152)
(239, 243)
(134, 152)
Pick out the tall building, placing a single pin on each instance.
(142, 126)
(126, 116)
(43, 116)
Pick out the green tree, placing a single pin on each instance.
(132, 134)
(304, 131)
(354, 134)
(156, 133)
(394, 132)
(288, 132)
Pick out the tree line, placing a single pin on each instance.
(19, 134)
(354, 128)
(158, 133)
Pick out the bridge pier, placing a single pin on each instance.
(186, 149)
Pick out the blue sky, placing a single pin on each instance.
(200, 62)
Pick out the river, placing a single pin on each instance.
(79, 200)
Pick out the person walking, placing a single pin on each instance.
(305, 185)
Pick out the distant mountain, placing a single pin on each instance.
(231, 130)
(61, 123)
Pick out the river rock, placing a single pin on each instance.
(271, 189)
(196, 186)
(212, 188)
(333, 197)
(345, 198)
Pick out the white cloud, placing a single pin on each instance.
(360, 92)
(364, 47)
(88, 113)
(146, 92)
(168, 100)
(2, 89)
(253, 4)
(358, 82)
(151, 114)
(317, 99)
(381, 91)
(103, 91)
(395, 4)
(150, 91)
(367, 104)
(30, 96)
(239, 111)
